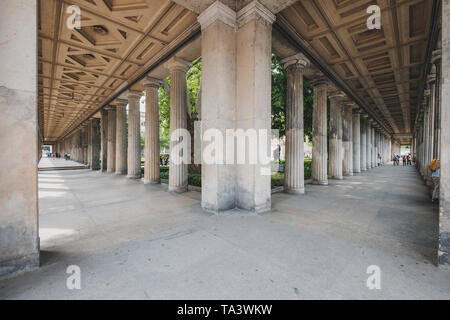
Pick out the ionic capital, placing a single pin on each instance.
(151, 82)
(178, 64)
(134, 94)
(296, 61)
(121, 102)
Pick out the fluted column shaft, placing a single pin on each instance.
(294, 181)
(152, 150)
(347, 138)
(319, 150)
(335, 144)
(178, 172)
(356, 129)
(104, 139)
(369, 145)
(95, 144)
(363, 130)
(121, 136)
(111, 139)
(134, 135)
(373, 152)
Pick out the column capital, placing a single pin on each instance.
(296, 61)
(336, 94)
(110, 107)
(134, 94)
(320, 80)
(178, 64)
(349, 104)
(254, 10)
(217, 12)
(121, 102)
(151, 82)
(436, 56)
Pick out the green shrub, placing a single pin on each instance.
(195, 179)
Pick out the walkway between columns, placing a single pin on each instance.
(138, 241)
(58, 163)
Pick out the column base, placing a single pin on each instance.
(320, 183)
(19, 265)
(350, 174)
(136, 177)
(294, 190)
(356, 171)
(152, 181)
(336, 178)
(178, 189)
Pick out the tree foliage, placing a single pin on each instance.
(279, 82)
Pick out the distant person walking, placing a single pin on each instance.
(404, 160)
(409, 158)
(435, 167)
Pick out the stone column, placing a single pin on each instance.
(95, 144)
(335, 144)
(369, 144)
(356, 123)
(432, 107)
(437, 124)
(178, 174)
(218, 99)
(347, 137)
(236, 55)
(134, 135)
(253, 100)
(373, 152)
(104, 137)
(89, 145)
(363, 130)
(444, 203)
(294, 177)
(319, 150)
(111, 158)
(121, 136)
(19, 139)
(152, 150)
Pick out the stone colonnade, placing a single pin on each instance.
(431, 139)
(236, 55)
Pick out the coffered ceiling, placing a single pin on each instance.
(382, 67)
(80, 68)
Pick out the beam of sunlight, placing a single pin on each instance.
(47, 234)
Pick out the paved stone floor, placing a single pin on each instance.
(47, 163)
(138, 241)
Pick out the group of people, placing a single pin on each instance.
(67, 156)
(407, 160)
(53, 155)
